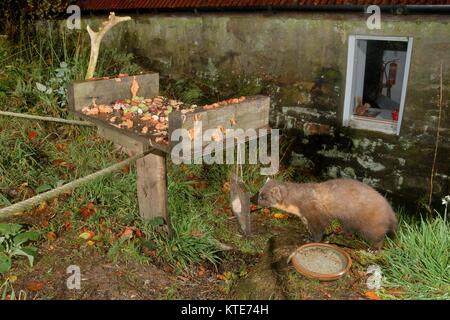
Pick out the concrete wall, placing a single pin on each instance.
(301, 59)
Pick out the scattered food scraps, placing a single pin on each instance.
(134, 88)
(149, 116)
(372, 295)
(51, 236)
(35, 285)
(127, 233)
(32, 135)
(67, 225)
(226, 187)
(127, 124)
(280, 216)
(196, 233)
(87, 235)
(88, 210)
(224, 103)
(105, 109)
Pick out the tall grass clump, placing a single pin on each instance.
(192, 240)
(36, 71)
(418, 261)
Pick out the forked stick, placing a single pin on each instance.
(96, 39)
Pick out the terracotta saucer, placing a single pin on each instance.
(346, 262)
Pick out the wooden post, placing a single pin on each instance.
(152, 187)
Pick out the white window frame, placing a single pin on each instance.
(360, 122)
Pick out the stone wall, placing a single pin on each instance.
(301, 59)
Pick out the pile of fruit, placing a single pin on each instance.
(146, 116)
(223, 103)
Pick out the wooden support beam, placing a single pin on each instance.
(109, 90)
(152, 187)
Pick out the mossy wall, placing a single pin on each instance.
(300, 60)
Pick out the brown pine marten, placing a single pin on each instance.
(358, 207)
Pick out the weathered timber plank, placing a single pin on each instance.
(107, 91)
(152, 187)
(146, 142)
(132, 146)
(253, 113)
(222, 146)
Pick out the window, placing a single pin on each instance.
(377, 77)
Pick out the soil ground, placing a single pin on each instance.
(102, 278)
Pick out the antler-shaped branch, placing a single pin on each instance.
(96, 39)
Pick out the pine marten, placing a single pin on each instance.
(358, 207)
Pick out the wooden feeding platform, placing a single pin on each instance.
(129, 112)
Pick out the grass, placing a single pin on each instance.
(7, 291)
(193, 239)
(418, 261)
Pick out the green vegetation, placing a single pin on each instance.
(418, 261)
(34, 75)
(12, 244)
(7, 291)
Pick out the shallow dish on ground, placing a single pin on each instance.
(321, 261)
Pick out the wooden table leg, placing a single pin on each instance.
(152, 187)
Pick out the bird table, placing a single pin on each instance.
(252, 113)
